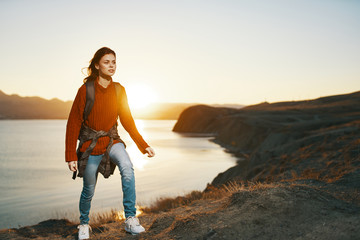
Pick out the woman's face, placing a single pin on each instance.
(106, 65)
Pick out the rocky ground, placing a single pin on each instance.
(303, 209)
(298, 177)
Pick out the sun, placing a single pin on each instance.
(140, 96)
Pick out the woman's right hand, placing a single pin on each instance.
(72, 166)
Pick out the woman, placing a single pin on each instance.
(100, 146)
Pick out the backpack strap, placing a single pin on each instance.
(90, 98)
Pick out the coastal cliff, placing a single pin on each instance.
(284, 140)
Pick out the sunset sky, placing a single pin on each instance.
(202, 51)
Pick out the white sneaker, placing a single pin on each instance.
(133, 226)
(84, 231)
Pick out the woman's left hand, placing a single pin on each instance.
(150, 152)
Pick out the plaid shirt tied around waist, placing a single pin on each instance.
(106, 167)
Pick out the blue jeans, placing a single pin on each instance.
(120, 157)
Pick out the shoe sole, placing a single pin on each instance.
(131, 232)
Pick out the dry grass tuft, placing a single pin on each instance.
(211, 192)
(105, 217)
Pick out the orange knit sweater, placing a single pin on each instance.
(102, 117)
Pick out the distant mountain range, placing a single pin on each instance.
(17, 107)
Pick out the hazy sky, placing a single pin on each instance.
(207, 51)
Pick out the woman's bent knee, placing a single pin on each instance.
(120, 157)
(127, 174)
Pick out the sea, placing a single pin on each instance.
(36, 184)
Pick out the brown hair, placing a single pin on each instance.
(93, 73)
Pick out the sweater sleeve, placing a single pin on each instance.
(74, 124)
(127, 121)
